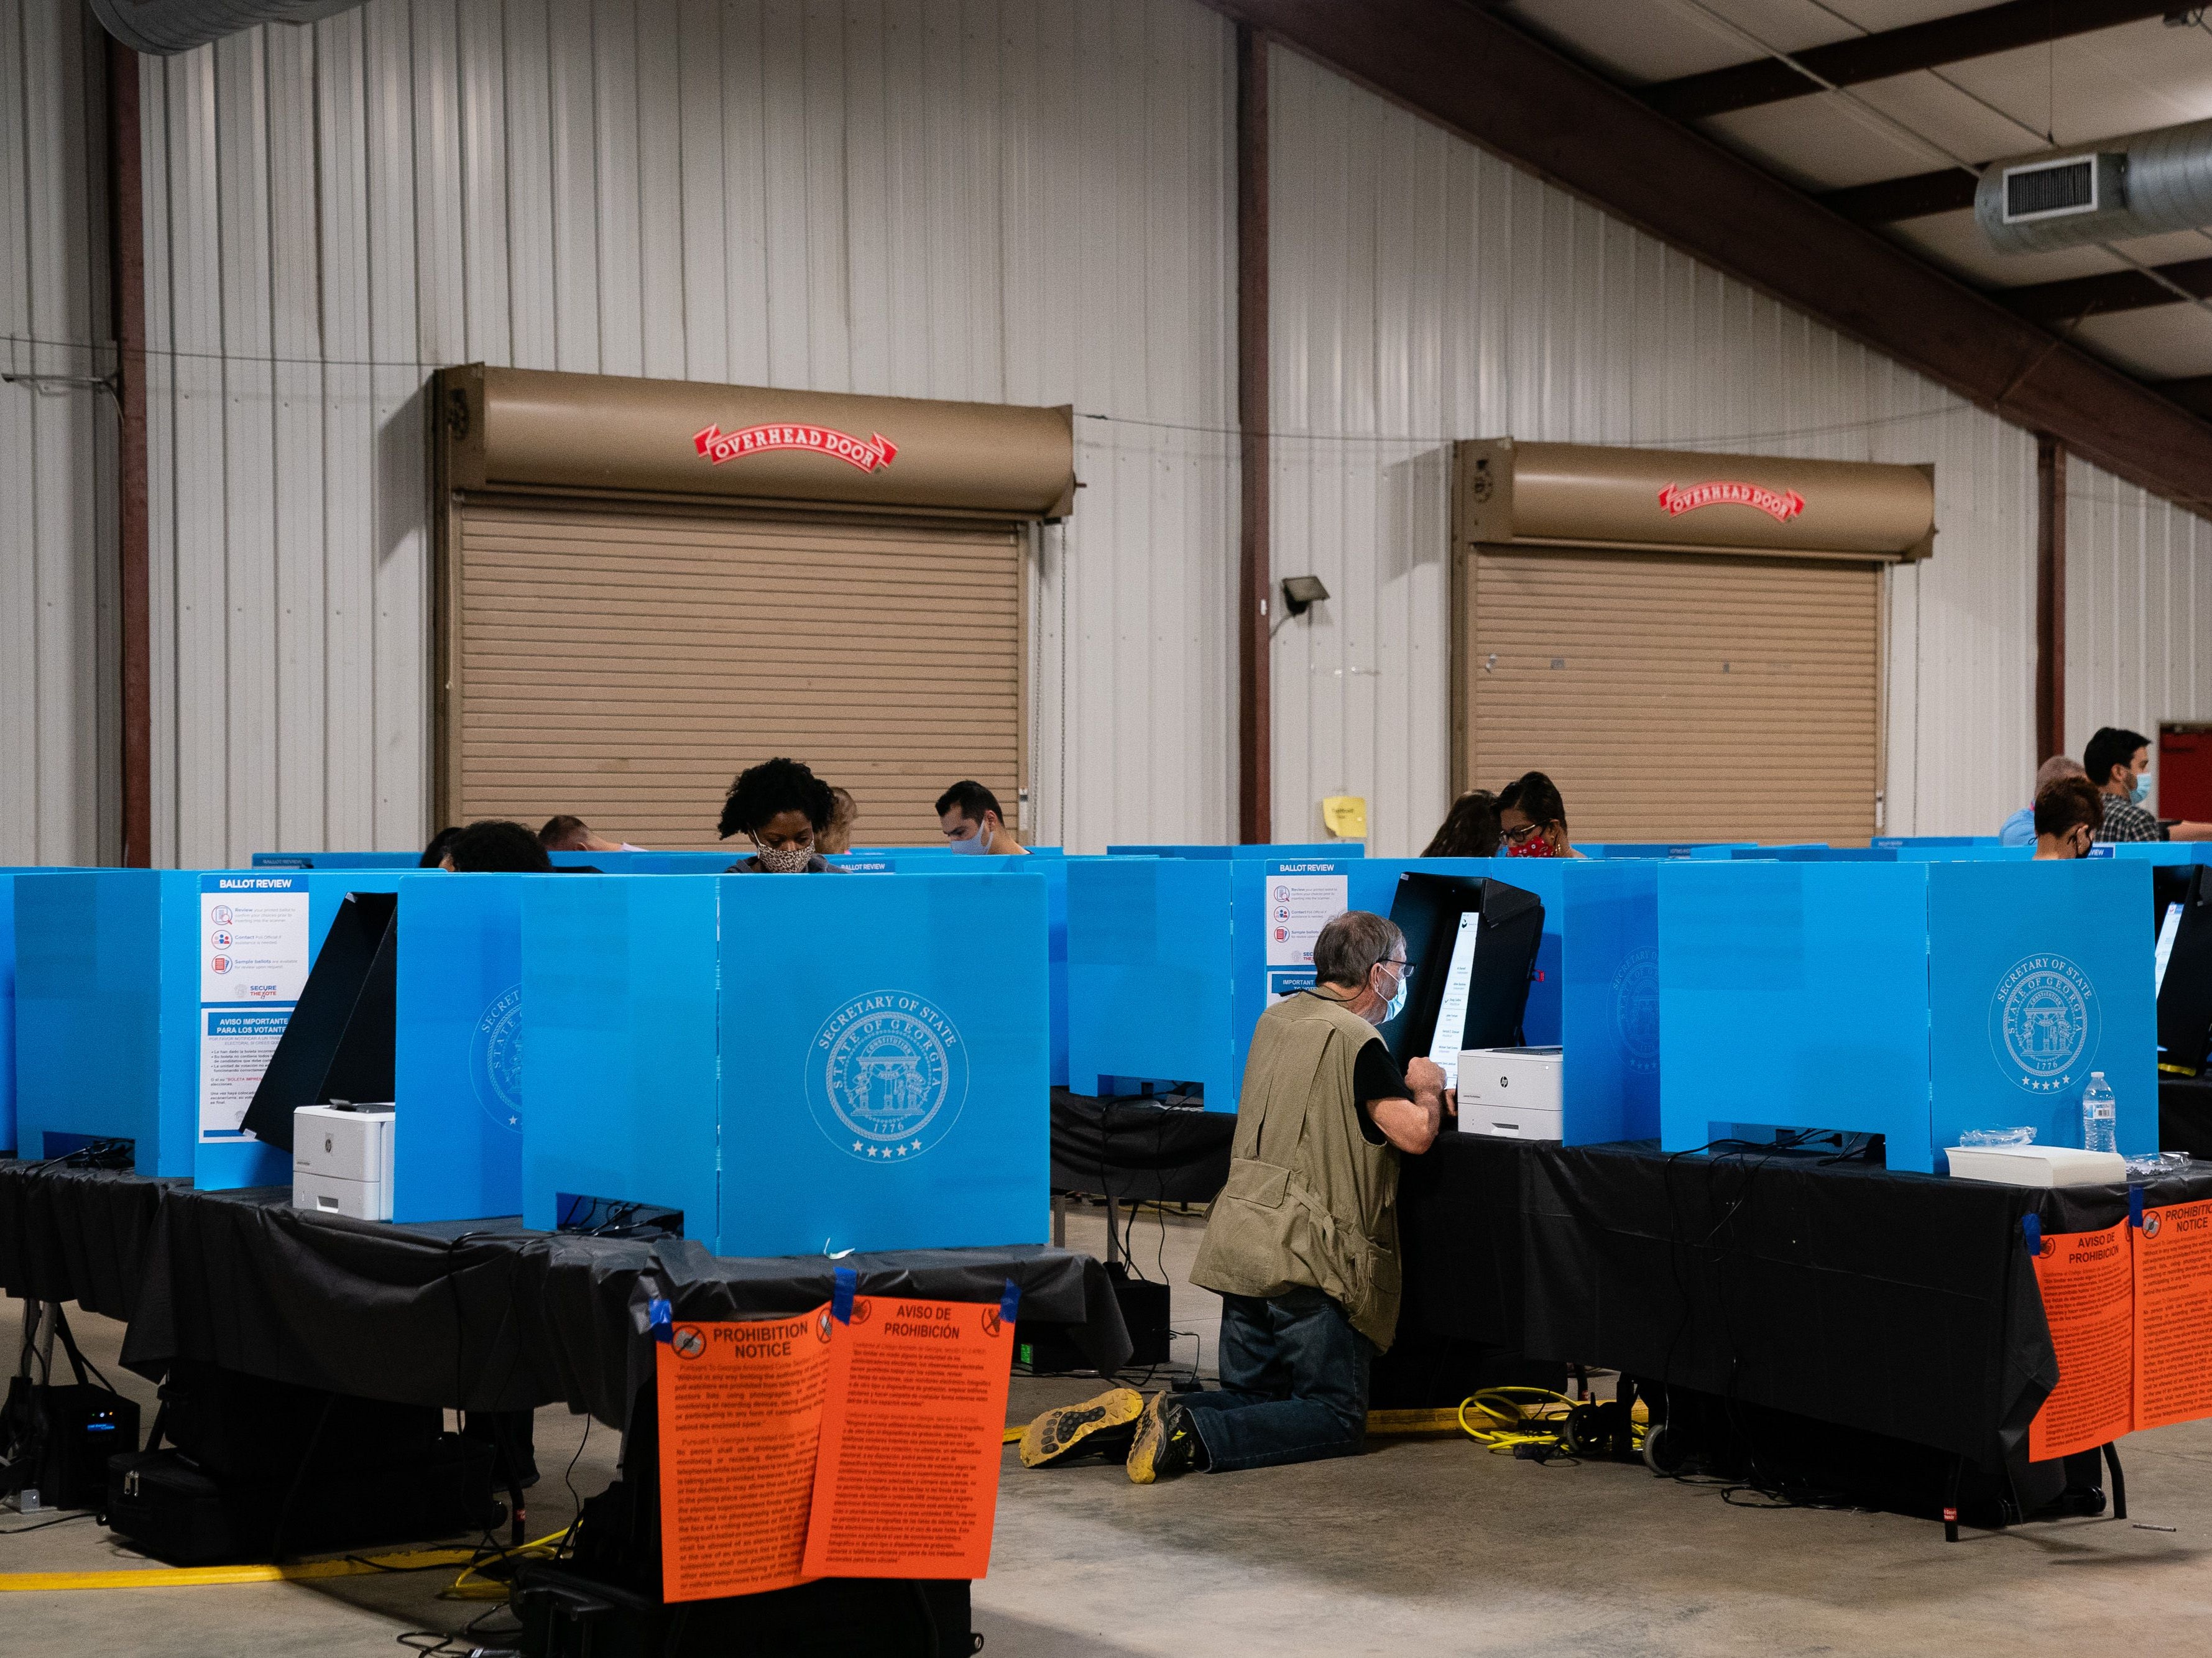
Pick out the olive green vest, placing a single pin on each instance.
(1309, 1201)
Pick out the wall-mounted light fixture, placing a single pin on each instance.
(1300, 592)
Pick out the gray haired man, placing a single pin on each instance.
(1302, 1242)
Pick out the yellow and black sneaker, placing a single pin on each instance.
(1166, 1442)
(1100, 1425)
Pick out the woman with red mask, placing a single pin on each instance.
(1533, 819)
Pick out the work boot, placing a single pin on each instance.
(1100, 1425)
(1166, 1442)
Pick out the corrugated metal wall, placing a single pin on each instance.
(1004, 200)
(1001, 199)
(59, 751)
(1423, 291)
(2138, 609)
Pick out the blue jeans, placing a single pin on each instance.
(1293, 1383)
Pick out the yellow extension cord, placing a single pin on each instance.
(1510, 1415)
(180, 1577)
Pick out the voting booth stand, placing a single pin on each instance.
(1172, 963)
(795, 1066)
(1913, 1000)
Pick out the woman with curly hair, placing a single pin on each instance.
(781, 807)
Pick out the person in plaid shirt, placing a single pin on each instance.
(2118, 762)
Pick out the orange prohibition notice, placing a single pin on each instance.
(908, 1483)
(2087, 1283)
(2173, 1314)
(741, 1410)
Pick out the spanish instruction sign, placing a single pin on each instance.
(255, 954)
(908, 1483)
(2088, 1301)
(740, 1429)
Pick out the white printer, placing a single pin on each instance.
(342, 1160)
(1511, 1091)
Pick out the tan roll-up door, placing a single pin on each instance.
(623, 662)
(1674, 696)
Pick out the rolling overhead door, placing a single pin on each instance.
(1690, 646)
(624, 664)
(1677, 697)
(645, 586)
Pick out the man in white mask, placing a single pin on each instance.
(969, 816)
(1302, 1242)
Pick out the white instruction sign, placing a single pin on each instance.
(1302, 899)
(255, 954)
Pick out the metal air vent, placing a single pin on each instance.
(2049, 189)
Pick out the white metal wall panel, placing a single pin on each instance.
(2138, 609)
(59, 779)
(1423, 290)
(988, 199)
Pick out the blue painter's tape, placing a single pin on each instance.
(2135, 1206)
(660, 1318)
(1011, 1301)
(2032, 1229)
(841, 1297)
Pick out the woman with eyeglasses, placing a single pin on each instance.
(782, 807)
(1532, 819)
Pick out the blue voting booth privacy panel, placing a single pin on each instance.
(885, 1060)
(619, 1073)
(108, 1040)
(1793, 993)
(1913, 999)
(1054, 870)
(2040, 976)
(1151, 975)
(457, 1058)
(1172, 961)
(92, 1045)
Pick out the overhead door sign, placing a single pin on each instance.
(870, 453)
(255, 953)
(1780, 505)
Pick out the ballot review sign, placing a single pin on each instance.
(254, 957)
(1303, 898)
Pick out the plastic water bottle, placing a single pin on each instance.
(2098, 1116)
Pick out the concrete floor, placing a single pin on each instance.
(1420, 1545)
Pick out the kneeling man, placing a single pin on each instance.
(1302, 1242)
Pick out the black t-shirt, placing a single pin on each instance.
(1375, 1076)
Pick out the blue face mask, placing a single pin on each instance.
(1397, 1002)
(2141, 790)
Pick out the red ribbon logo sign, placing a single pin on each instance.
(1780, 505)
(867, 453)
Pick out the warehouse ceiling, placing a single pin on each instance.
(1886, 109)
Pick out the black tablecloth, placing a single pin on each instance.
(1139, 1150)
(1903, 1304)
(76, 1234)
(478, 1315)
